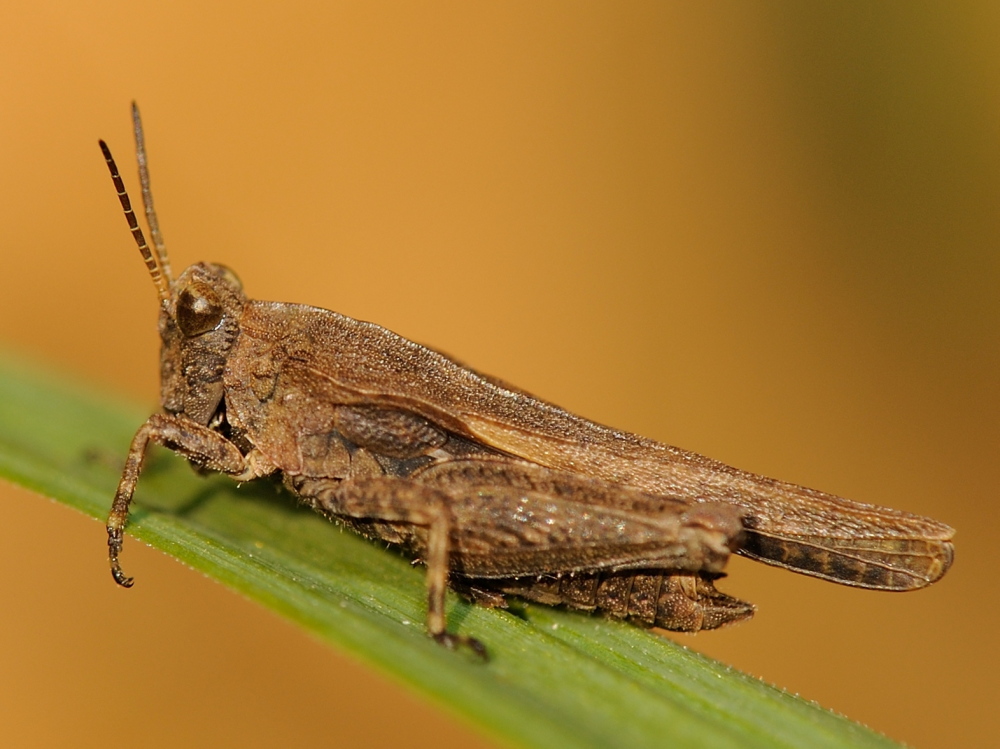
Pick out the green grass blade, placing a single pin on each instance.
(555, 678)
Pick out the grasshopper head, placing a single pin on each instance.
(199, 323)
(199, 311)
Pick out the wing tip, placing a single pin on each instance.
(892, 565)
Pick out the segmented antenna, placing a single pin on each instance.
(147, 197)
(162, 283)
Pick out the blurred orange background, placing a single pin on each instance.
(766, 233)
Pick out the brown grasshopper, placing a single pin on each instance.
(496, 491)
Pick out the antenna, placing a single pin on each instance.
(161, 282)
(147, 197)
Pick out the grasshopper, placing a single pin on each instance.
(496, 491)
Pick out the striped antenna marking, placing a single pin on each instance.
(162, 284)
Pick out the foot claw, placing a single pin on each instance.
(451, 641)
(114, 549)
(119, 576)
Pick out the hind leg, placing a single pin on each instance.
(395, 500)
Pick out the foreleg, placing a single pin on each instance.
(195, 442)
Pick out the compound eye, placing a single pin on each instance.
(198, 310)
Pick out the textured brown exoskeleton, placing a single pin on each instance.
(496, 491)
